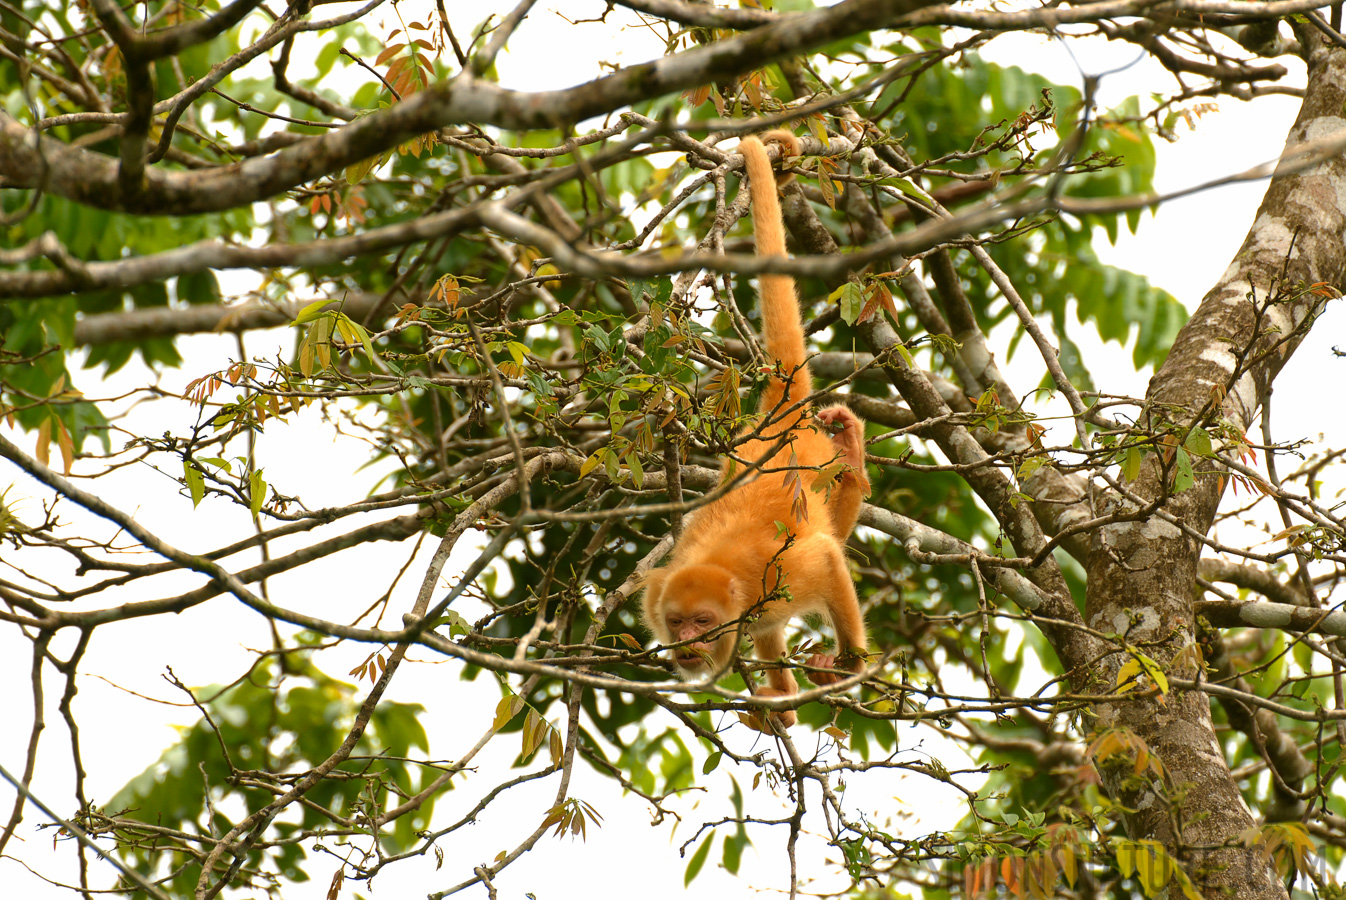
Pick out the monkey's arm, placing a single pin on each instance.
(829, 580)
(770, 645)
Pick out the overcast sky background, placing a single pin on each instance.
(1183, 249)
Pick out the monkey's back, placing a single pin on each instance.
(740, 530)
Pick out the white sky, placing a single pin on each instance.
(1184, 249)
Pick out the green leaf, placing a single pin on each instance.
(639, 288)
(852, 298)
(1183, 478)
(310, 312)
(458, 626)
(199, 287)
(196, 482)
(637, 470)
(905, 186)
(1198, 442)
(711, 762)
(356, 172)
(256, 492)
(697, 861)
(1131, 463)
(733, 850)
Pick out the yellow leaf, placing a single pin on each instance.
(1127, 675)
(1153, 867)
(344, 330)
(555, 747)
(43, 452)
(1188, 889)
(1068, 864)
(1126, 858)
(817, 128)
(829, 196)
(549, 269)
(67, 446)
(531, 737)
(508, 707)
(592, 462)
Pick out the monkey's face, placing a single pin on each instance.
(694, 606)
(687, 622)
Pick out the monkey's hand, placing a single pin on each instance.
(754, 720)
(849, 665)
(848, 437)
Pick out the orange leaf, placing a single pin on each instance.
(697, 96)
(388, 54)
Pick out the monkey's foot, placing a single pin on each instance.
(848, 437)
(850, 665)
(785, 718)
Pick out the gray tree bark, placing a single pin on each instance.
(1142, 574)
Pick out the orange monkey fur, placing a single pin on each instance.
(730, 558)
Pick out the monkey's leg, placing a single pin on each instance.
(847, 432)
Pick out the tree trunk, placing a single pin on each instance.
(1142, 574)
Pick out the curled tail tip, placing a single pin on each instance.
(789, 143)
(789, 146)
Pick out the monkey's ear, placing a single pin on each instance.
(653, 585)
(651, 611)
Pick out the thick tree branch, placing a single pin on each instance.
(91, 179)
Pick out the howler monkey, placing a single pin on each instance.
(732, 559)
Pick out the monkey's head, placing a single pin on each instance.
(691, 601)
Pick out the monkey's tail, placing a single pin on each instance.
(781, 324)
